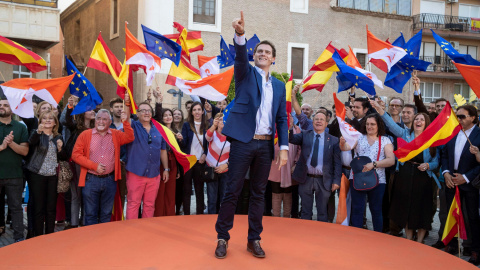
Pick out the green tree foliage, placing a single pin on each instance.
(283, 77)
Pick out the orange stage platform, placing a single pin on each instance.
(188, 242)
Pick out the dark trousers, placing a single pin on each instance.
(375, 199)
(256, 155)
(470, 199)
(179, 190)
(295, 200)
(43, 193)
(13, 190)
(314, 187)
(442, 215)
(193, 175)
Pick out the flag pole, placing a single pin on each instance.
(85, 70)
(467, 137)
(2, 76)
(458, 238)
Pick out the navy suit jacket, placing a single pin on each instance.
(241, 122)
(468, 164)
(332, 163)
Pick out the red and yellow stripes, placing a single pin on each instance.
(187, 161)
(184, 71)
(193, 40)
(325, 61)
(288, 96)
(104, 60)
(454, 221)
(317, 81)
(439, 132)
(15, 54)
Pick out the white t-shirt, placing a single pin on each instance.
(196, 148)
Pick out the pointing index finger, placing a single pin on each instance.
(241, 16)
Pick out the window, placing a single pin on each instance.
(430, 91)
(21, 72)
(431, 52)
(362, 57)
(298, 60)
(464, 90)
(299, 6)
(114, 19)
(205, 15)
(401, 7)
(432, 7)
(467, 49)
(470, 11)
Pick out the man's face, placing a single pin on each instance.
(395, 107)
(307, 110)
(102, 122)
(5, 110)
(440, 105)
(464, 118)
(431, 107)
(358, 110)
(407, 115)
(116, 109)
(263, 56)
(144, 113)
(319, 122)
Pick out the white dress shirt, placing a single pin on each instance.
(459, 145)
(263, 120)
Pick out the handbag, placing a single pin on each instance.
(206, 172)
(215, 175)
(365, 181)
(65, 175)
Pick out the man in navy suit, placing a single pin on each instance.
(260, 107)
(319, 168)
(460, 167)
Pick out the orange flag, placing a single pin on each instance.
(470, 74)
(343, 213)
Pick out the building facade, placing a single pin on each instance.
(300, 30)
(35, 25)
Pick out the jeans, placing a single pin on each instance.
(43, 190)
(14, 189)
(98, 197)
(375, 199)
(256, 155)
(215, 192)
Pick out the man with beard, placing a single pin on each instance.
(13, 138)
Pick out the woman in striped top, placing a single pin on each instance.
(217, 157)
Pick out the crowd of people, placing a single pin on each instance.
(110, 151)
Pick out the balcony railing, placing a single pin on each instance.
(440, 64)
(443, 22)
(43, 3)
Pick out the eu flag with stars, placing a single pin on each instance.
(459, 58)
(400, 41)
(251, 43)
(226, 112)
(226, 58)
(401, 72)
(83, 89)
(162, 46)
(355, 77)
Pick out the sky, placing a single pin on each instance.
(63, 4)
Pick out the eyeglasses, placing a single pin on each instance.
(461, 116)
(145, 111)
(149, 139)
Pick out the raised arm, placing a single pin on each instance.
(241, 55)
(387, 119)
(158, 104)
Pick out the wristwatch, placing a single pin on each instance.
(374, 164)
(167, 169)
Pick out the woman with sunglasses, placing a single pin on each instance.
(412, 190)
(144, 155)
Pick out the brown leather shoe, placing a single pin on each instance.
(255, 248)
(452, 250)
(221, 250)
(475, 258)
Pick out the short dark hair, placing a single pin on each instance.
(322, 112)
(472, 111)
(115, 100)
(398, 98)
(365, 102)
(440, 100)
(146, 103)
(330, 114)
(412, 107)
(274, 51)
(188, 102)
(381, 126)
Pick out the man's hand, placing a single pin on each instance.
(348, 112)
(101, 169)
(448, 180)
(124, 116)
(221, 168)
(72, 101)
(127, 99)
(335, 187)
(415, 82)
(9, 138)
(295, 90)
(458, 179)
(282, 158)
(239, 24)
(158, 95)
(3, 146)
(165, 176)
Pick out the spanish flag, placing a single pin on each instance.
(187, 161)
(15, 54)
(193, 39)
(439, 132)
(104, 60)
(117, 211)
(184, 71)
(125, 85)
(317, 80)
(325, 61)
(470, 74)
(288, 95)
(455, 223)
